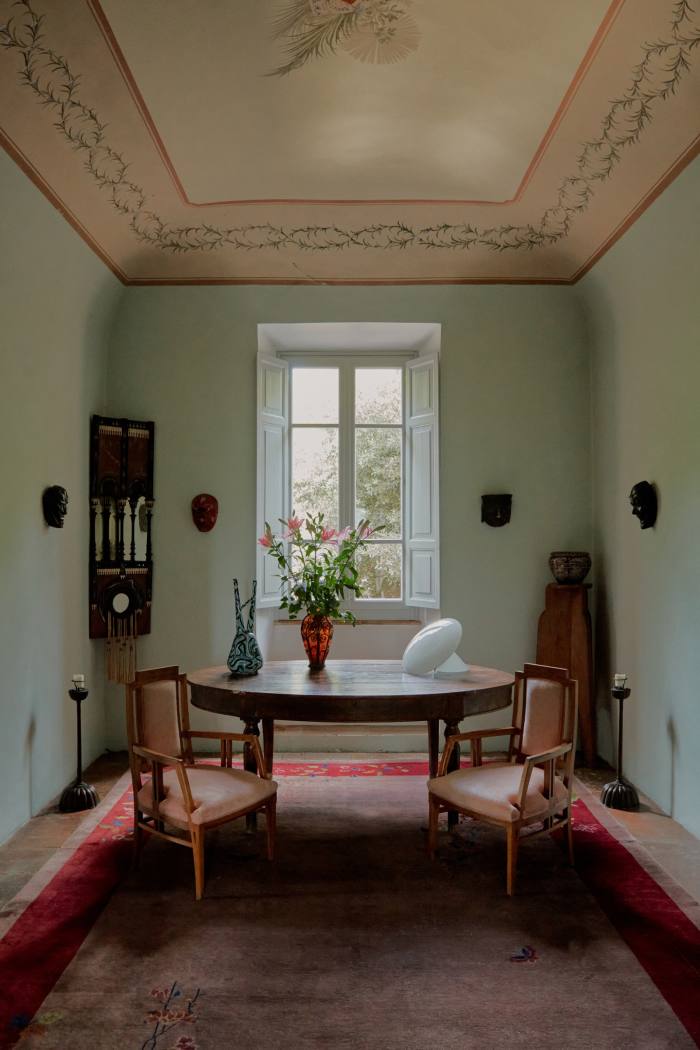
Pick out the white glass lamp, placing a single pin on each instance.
(433, 651)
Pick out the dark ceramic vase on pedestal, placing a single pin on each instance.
(316, 634)
(570, 567)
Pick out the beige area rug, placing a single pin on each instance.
(353, 940)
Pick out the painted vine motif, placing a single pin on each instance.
(657, 76)
(369, 30)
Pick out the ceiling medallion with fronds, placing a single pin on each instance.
(370, 30)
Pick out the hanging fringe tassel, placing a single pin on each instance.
(121, 648)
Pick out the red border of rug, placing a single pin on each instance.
(46, 936)
(42, 942)
(664, 940)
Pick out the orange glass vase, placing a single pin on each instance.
(316, 634)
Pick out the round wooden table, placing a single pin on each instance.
(349, 691)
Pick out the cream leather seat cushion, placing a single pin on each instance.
(216, 793)
(492, 789)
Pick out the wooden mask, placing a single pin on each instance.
(205, 511)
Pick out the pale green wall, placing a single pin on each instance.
(514, 418)
(644, 303)
(56, 301)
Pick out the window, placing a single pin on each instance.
(355, 436)
(346, 454)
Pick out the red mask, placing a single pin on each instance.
(205, 511)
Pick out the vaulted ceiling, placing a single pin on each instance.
(352, 141)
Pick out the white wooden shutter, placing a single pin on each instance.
(272, 469)
(422, 526)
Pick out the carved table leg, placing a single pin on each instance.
(249, 763)
(268, 728)
(433, 746)
(451, 728)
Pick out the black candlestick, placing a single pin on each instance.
(618, 794)
(78, 795)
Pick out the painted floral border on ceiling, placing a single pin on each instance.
(657, 76)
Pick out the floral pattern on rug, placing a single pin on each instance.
(36, 1027)
(351, 769)
(174, 1009)
(118, 823)
(525, 954)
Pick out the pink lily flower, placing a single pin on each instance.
(344, 534)
(294, 523)
(265, 541)
(366, 532)
(328, 534)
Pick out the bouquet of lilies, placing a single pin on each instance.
(317, 565)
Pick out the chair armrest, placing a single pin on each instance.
(245, 738)
(549, 756)
(156, 756)
(158, 760)
(474, 737)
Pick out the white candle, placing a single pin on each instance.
(619, 681)
(79, 681)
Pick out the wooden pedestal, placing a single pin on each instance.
(564, 640)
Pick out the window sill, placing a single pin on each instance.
(358, 623)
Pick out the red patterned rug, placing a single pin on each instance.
(49, 925)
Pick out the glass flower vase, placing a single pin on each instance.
(316, 634)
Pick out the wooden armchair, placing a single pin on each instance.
(535, 783)
(181, 795)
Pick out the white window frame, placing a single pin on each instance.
(362, 608)
(420, 493)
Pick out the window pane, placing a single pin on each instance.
(315, 472)
(378, 478)
(314, 395)
(378, 395)
(379, 566)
